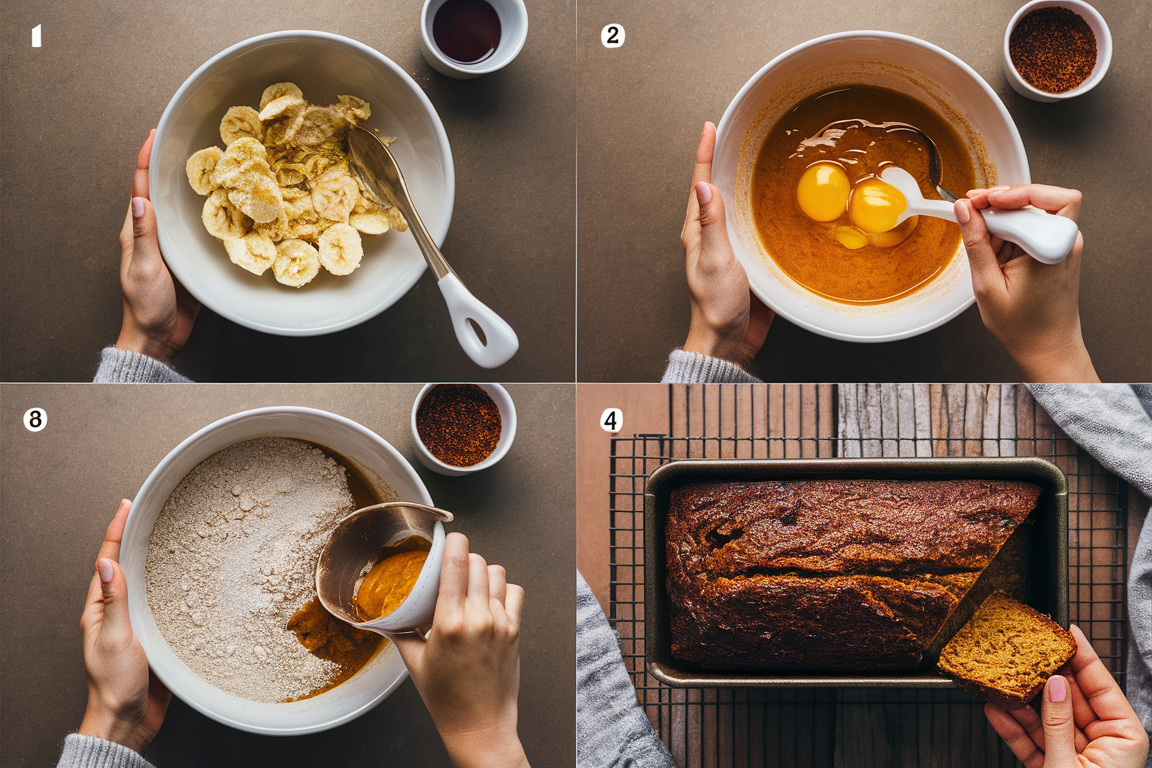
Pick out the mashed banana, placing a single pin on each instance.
(282, 195)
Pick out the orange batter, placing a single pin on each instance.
(390, 581)
(823, 215)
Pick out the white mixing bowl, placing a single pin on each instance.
(366, 452)
(324, 66)
(884, 59)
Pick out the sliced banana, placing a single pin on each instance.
(396, 219)
(200, 167)
(369, 223)
(355, 109)
(289, 174)
(341, 249)
(254, 252)
(316, 125)
(335, 194)
(365, 204)
(258, 196)
(276, 90)
(240, 122)
(276, 230)
(243, 156)
(281, 107)
(296, 263)
(222, 219)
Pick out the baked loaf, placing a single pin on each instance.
(828, 575)
(1006, 652)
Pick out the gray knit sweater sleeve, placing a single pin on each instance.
(123, 366)
(612, 730)
(91, 752)
(695, 368)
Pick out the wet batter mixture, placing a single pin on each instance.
(807, 181)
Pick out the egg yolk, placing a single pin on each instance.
(875, 206)
(823, 192)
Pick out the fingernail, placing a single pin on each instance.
(960, 207)
(137, 207)
(703, 193)
(104, 567)
(1057, 689)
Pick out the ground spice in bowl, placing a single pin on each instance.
(459, 424)
(1053, 49)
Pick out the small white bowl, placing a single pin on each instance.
(513, 32)
(503, 402)
(871, 58)
(370, 455)
(1103, 50)
(324, 66)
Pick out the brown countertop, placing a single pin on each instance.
(75, 112)
(61, 486)
(641, 110)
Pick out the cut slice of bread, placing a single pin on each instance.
(1006, 652)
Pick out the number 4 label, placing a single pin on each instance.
(612, 420)
(35, 419)
(612, 36)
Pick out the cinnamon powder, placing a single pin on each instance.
(1053, 49)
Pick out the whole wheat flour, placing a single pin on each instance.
(232, 558)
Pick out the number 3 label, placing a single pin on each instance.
(35, 419)
(612, 420)
(612, 36)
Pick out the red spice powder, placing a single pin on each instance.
(458, 424)
(1053, 49)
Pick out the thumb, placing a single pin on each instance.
(1059, 727)
(714, 228)
(114, 625)
(987, 277)
(145, 246)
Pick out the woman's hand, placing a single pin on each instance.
(468, 668)
(728, 322)
(126, 702)
(158, 311)
(1084, 720)
(1032, 308)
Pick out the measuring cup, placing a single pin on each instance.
(352, 549)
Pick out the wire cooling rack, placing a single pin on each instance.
(856, 727)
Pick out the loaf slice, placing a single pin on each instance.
(1006, 652)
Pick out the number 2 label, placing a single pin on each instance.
(612, 36)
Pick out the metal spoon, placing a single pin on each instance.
(380, 175)
(1044, 236)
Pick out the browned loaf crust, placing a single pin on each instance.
(828, 575)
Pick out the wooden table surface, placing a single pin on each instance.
(846, 727)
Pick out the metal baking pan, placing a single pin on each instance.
(1043, 585)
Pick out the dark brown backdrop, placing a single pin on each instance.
(74, 113)
(61, 487)
(641, 110)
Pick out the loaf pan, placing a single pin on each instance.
(1044, 587)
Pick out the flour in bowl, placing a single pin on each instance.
(232, 558)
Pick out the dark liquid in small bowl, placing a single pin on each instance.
(466, 31)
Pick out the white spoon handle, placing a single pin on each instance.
(1046, 237)
(500, 341)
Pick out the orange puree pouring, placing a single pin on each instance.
(389, 582)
